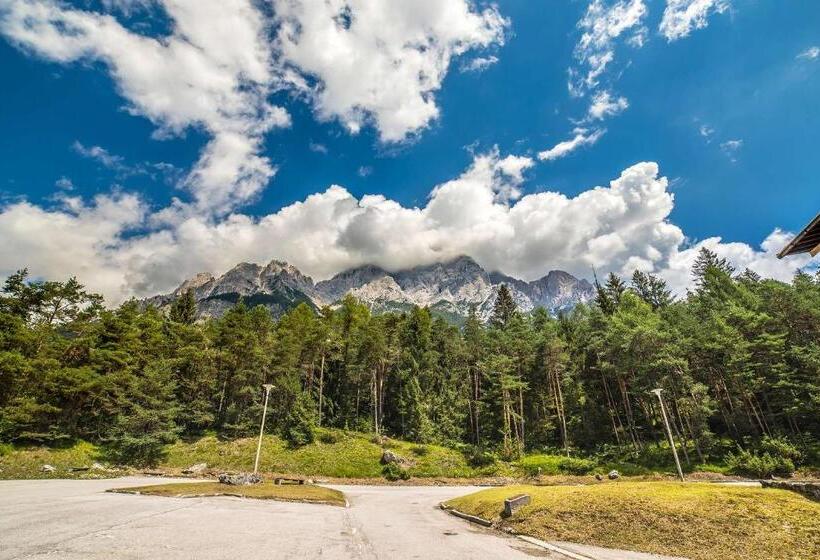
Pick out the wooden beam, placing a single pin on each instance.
(816, 251)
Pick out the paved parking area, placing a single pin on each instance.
(77, 519)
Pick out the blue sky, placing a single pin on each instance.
(722, 100)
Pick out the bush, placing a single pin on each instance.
(572, 465)
(393, 472)
(328, 437)
(479, 457)
(300, 422)
(782, 448)
(5, 449)
(759, 466)
(419, 450)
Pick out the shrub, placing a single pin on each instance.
(393, 472)
(572, 465)
(419, 450)
(479, 457)
(5, 449)
(328, 437)
(759, 466)
(300, 422)
(782, 448)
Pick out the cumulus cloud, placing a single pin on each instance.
(109, 244)
(222, 59)
(602, 26)
(583, 137)
(811, 53)
(681, 17)
(214, 71)
(605, 105)
(398, 51)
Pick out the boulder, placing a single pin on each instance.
(614, 475)
(598, 477)
(98, 467)
(195, 469)
(241, 479)
(388, 457)
(48, 469)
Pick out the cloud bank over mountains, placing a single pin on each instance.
(623, 226)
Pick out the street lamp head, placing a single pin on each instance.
(267, 386)
(656, 391)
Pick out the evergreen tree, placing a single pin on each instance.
(504, 308)
(183, 309)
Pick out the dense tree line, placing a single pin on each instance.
(738, 359)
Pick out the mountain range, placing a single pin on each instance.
(449, 289)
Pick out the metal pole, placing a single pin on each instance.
(669, 434)
(267, 387)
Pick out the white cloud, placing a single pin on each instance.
(602, 26)
(478, 64)
(583, 137)
(812, 53)
(480, 213)
(364, 171)
(605, 105)
(731, 147)
(317, 147)
(681, 17)
(214, 70)
(398, 51)
(706, 131)
(64, 183)
(99, 154)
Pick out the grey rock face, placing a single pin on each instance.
(449, 289)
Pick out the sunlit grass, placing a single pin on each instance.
(696, 520)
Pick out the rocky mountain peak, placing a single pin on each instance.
(450, 288)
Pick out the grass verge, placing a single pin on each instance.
(694, 520)
(265, 491)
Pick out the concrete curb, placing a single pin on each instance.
(531, 540)
(467, 516)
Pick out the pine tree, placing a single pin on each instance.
(183, 310)
(504, 308)
(651, 289)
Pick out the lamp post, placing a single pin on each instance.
(669, 433)
(267, 387)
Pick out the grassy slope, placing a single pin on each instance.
(699, 521)
(335, 454)
(264, 491)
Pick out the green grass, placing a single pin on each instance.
(264, 491)
(695, 520)
(26, 462)
(335, 453)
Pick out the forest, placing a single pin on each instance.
(738, 359)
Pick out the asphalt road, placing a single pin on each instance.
(76, 519)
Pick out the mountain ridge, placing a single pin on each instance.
(448, 288)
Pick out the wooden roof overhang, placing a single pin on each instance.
(807, 241)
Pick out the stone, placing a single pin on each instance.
(389, 457)
(98, 467)
(598, 477)
(195, 469)
(511, 505)
(241, 479)
(808, 488)
(48, 469)
(614, 475)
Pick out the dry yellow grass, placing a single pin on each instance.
(264, 491)
(696, 520)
